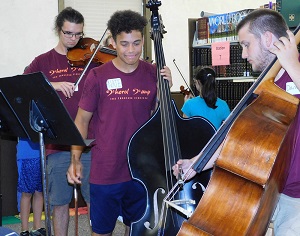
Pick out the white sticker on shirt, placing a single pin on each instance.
(291, 88)
(115, 83)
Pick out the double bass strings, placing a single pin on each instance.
(171, 142)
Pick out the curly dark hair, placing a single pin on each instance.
(126, 21)
(67, 14)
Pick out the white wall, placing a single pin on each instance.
(95, 18)
(175, 16)
(26, 31)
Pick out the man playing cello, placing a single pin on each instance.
(263, 35)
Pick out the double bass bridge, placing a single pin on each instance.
(176, 204)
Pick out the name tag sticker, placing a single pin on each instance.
(115, 83)
(291, 88)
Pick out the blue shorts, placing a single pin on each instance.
(60, 191)
(108, 202)
(30, 175)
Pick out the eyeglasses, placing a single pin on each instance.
(69, 35)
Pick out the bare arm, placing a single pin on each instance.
(185, 165)
(287, 54)
(82, 121)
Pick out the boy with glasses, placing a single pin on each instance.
(54, 64)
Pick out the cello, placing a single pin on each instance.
(165, 138)
(251, 168)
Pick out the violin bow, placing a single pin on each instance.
(183, 78)
(75, 199)
(89, 62)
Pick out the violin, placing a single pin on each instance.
(84, 50)
(184, 91)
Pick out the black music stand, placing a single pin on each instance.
(31, 108)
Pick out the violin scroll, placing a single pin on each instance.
(184, 91)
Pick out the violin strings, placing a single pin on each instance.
(108, 50)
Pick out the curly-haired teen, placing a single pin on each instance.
(121, 96)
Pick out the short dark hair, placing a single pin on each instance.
(126, 21)
(263, 20)
(68, 14)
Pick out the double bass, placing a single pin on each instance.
(252, 164)
(153, 149)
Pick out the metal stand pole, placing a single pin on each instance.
(45, 184)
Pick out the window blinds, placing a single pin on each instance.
(97, 12)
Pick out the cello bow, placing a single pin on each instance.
(251, 168)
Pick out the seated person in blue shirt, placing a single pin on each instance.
(207, 104)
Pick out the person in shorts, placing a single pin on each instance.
(120, 95)
(30, 186)
(54, 64)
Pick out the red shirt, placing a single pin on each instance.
(121, 103)
(292, 186)
(57, 69)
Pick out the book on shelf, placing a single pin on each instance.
(222, 27)
(219, 27)
(270, 5)
(232, 92)
(238, 67)
(202, 29)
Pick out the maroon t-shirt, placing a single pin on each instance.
(57, 69)
(121, 103)
(292, 186)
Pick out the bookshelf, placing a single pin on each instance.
(234, 80)
(238, 67)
